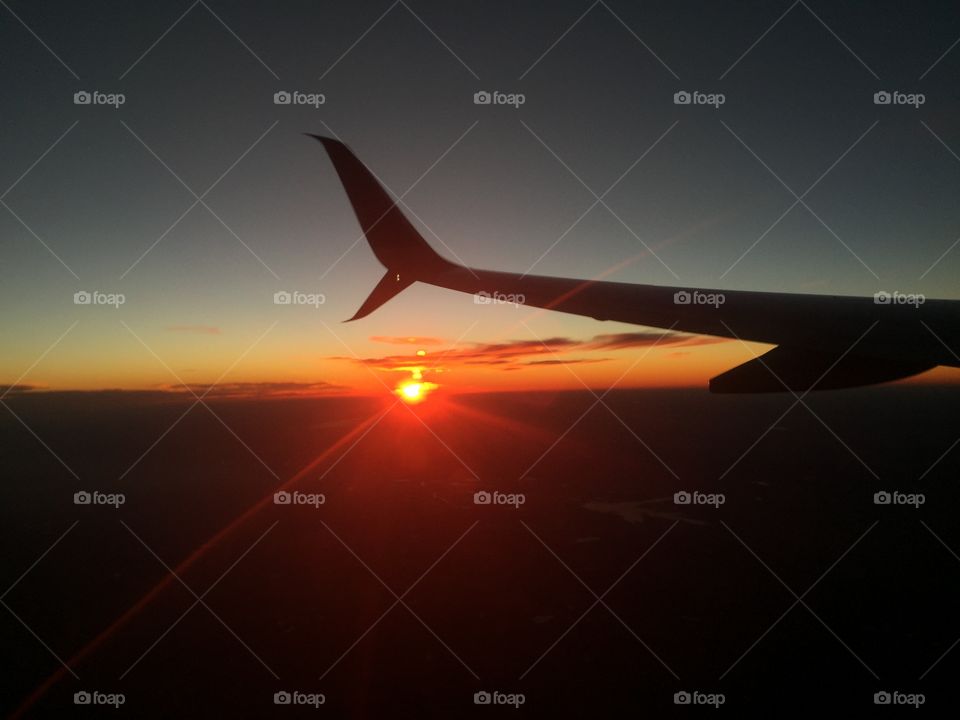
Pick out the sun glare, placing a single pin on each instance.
(414, 392)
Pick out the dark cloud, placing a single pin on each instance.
(18, 389)
(257, 389)
(622, 341)
(571, 361)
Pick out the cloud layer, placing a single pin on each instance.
(517, 354)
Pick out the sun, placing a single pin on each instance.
(413, 392)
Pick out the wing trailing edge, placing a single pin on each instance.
(799, 370)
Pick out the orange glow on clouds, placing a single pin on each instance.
(105, 357)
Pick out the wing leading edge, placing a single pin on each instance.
(824, 342)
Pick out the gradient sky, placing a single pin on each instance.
(402, 97)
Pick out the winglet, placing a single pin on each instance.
(395, 242)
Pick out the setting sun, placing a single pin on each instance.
(414, 392)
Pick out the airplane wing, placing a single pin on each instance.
(823, 341)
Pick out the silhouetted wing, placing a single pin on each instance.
(824, 342)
